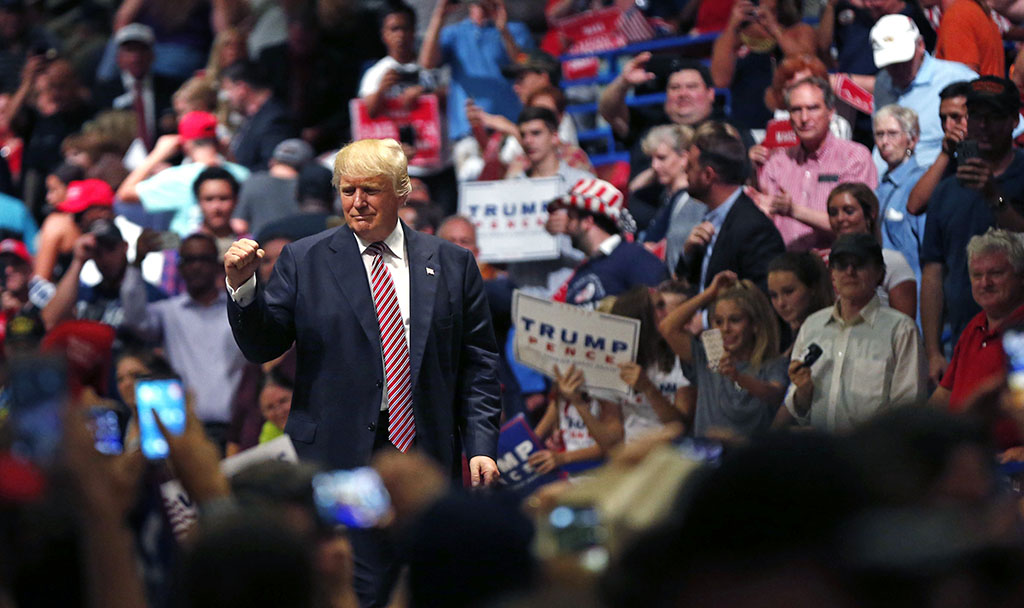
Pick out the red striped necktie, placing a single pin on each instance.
(397, 374)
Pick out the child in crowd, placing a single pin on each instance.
(798, 284)
(660, 389)
(581, 429)
(740, 393)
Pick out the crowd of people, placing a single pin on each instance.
(818, 229)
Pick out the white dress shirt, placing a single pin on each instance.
(396, 260)
(869, 364)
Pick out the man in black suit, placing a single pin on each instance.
(735, 235)
(137, 88)
(267, 120)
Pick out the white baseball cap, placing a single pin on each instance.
(135, 32)
(894, 40)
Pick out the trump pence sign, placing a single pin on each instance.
(552, 333)
(510, 215)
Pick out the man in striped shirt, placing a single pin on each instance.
(795, 182)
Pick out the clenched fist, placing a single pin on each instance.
(241, 261)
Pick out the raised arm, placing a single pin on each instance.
(262, 319)
(501, 22)
(673, 327)
(62, 304)
(723, 52)
(166, 147)
(612, 103)
(430, 50)
(917, 202)
(607, 430)
(825, 32)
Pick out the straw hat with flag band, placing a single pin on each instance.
(599, 197)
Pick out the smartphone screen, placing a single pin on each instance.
(356, 498)
(1013, 346)
(38, 389)
(166, 397)
(576, 528)
(106, 428)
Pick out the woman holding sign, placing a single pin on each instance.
(740, 378)
(661, 392)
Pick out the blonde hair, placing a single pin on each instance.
(199, 93)
(676, 137)
(753, 303)
(371, 158)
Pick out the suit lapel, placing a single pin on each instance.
(424, 273)
(346, 265)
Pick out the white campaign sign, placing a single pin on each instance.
(509, 216)
(552, 333)
(280, 448)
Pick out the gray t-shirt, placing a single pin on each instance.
(264, 198)
(723, 404)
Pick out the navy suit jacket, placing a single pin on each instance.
(319, 296)
(747, 241)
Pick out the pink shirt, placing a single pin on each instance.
(809, 178)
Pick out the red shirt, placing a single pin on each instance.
(978, 356)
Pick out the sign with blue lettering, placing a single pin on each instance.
(515, 445)
(510, 215)
(551, 333)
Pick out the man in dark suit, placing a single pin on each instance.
(393, 338)
(735, 235)
(267, 120)
(136, 87)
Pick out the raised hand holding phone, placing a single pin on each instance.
(163, 397)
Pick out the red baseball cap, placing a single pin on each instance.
(86, 193)
(16, 248)
(197, 125)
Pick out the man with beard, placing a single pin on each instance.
(596, 219)
(193, 330)
(734, 235)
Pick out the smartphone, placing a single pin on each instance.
(576, 529)
(106, 428)
(1013, 346)
(353, 498)
(164, 396)
(38, 391)
(966, 149)
(811, 354)
(699, 449)
(407, 135)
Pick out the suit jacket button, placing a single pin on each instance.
(371, 427)
(380, 384)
